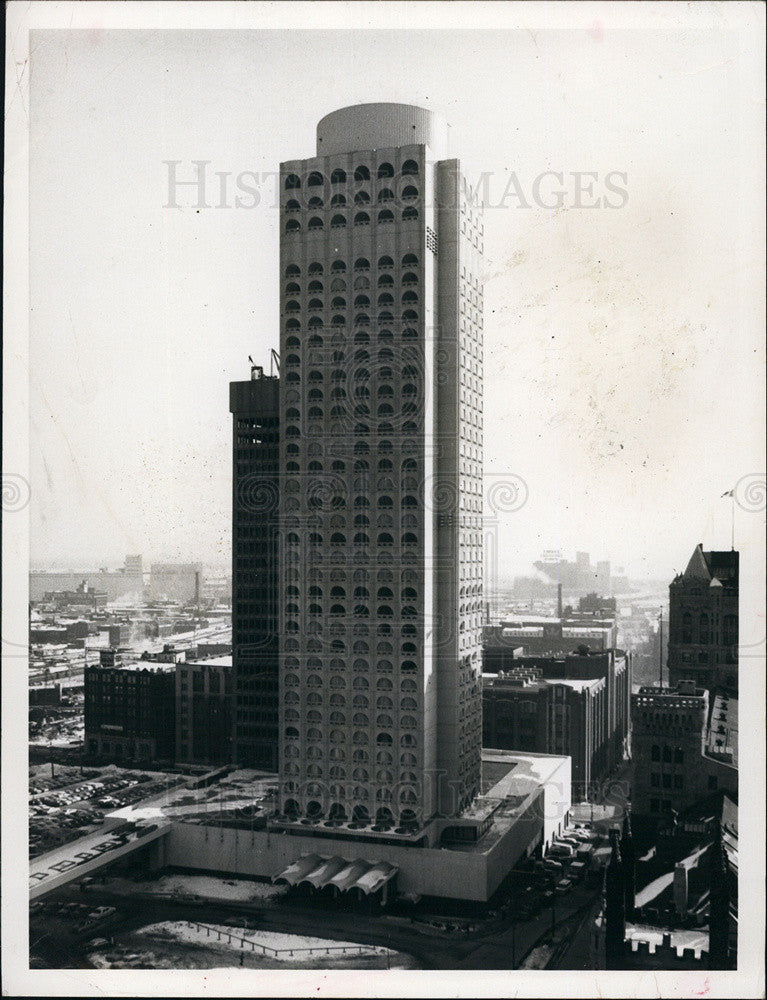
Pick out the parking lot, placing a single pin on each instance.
(72, 802)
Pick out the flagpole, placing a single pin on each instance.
(731, 495)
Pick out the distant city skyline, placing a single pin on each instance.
(605, 330)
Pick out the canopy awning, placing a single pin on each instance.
(299, 869)
(313, 869)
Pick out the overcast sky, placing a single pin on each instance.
(623, 346)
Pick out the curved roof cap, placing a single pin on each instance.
(381, 126)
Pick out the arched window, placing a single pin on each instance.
(315, 179)
(292, 226)
(316, 203)
(385, 170)
(292, 182)
(410, 167)
(409, 214)
(384, 195)
(362, 173)
(385, 217)
(409, 260)
(338, 267)
(338, 222)
(316, 268)
(362, 264)
(338, 176)
(362, 198)
(360, 219)
(315, 223)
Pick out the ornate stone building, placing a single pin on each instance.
(703, 613)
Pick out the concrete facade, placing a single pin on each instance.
(531, 804)
(381, 448)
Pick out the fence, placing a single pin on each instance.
(229, 936)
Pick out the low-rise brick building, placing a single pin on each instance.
(130, 714)
(674, 746)
(576, 706)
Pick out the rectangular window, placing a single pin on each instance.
(655, 780)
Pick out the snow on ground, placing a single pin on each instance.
(283, 947)
(205, 886)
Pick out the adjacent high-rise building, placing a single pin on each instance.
(255, 562)
(703, 620)
(381, 453)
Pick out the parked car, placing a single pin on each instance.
(568, 839)
(577, 869)
(559, 850)
(551, 865)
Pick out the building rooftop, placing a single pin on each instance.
(210, 661)
(511, 681)
(705, 567)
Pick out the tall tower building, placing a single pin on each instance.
(255, 562)
(381, 451)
